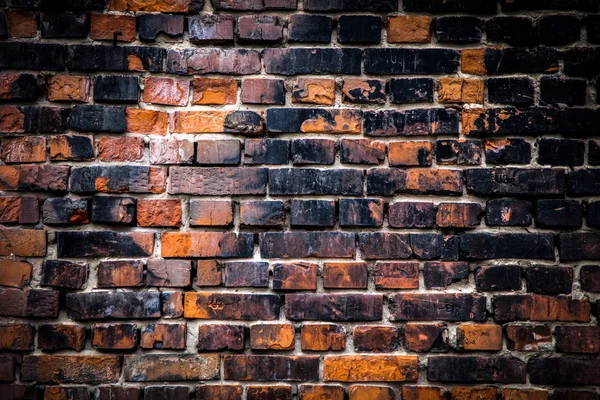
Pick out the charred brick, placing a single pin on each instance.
(134, 179)
(458, 152)
(310, 28)
(45, 119)
(295, 276)
(359, 29)
(64, 211)
(508, 213)
(19, 87)
(361, 212)
(349, 5)
(589, 276)
(32, 56)
(334, 307)
(288, 181)
(113, 209)
(426, 307)
(296, 61)
(558, 30)
(105, 244)
(313, 151)
(115, 58)
(64, 274)
(443, 274)
(219, 152)
(113, 305)
(583, 182)
(411, 215)
(151, 25)
(516, 31)
(94, 118)
(213, 60)
(64, 25)
(507, 151)
(120, 274)
(566, 91)
(476, 369)
(443, 6)
(266, 151)
(516, 91)
(259, 29)
(269, 368)
(71, 148)
(262, 213)
(313, 120)
(386, 181)
(384, 246)
(514, 181)
(549, 280)
(411, 90)
(484, 246)
(263, 91)
(579, 246)
(561, 214)
(53, 337)
(312, 213)
(580, 61)
(307, 244)
(220, 337)
(246, 274)
(498, 278)
(116, 89)
(563, 371)
(521, 60)
(396, 61)
(458, 29)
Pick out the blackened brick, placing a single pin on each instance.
(593, 29)
(581, 61)
(313, 120)
(334, 307)
(217, 181)
(525, 60)
(309, 28)
(508, 213)
(516, 91)
(431, 121)
(115, 58)
(431, 246)
(490, 278)
(259, 29)
(295, 276)
(116, 89)
(362, 151)
(391, 61)
(550, 280)
(476, 369)
(507, 151)
(561, 152)
(72, 5)
(443, 6)
(296, 61)
(558, 214)
(346, 5)
(425, 307)
(16, 86)
(313, 151)
(579, 246)
(458, 152)
(64, 211)
(151, 25)
(263, 91)
(411, 215)
(411, 90)
(590, 278)
(211, 28)
(573, 395)
(483, 246)
(253, 5)
(593, 214)
(134, 179)
(32, 56)
(294, 181)
(52, 337)
(113, 305)
(46, 119)
(361, 212)
(563, 371)
(584, 182)
(104, 244)
(386, 181)
(594, 152)
(578, 339)
(516, 31)
(376, 339)
(72, 148)
(558, 30)
(359, 29)
(114, 336)
(384, 245)
(271, 368)
(458, 29)
(357, 90)
(568, 91)
(246, 274)
(3, 27)
(64, 25)
(166, 392)
(262, 213)
(312, 213)
(94, 118)
(523, 5)
(220, 337)
(266, 151)
(514, 181)
(443, 274)
(300, 244)
(113, 209)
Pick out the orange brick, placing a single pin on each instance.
(10, 209)
(353, 368)
(147, 121)
(349, 275)
(22, 242)
(409, 29)
(470, 393)
(159, 212)
(479, 337)
(524, 394)
(323, 337)
(104, 27)
(410, 392)
(410, 153)
(321, 392)
(9, 177)
(272, 337)
(14, 273)
(210, 213)
(23, 149)
(21, 24)
(209, 273)
(363, 392)
(11, 119)
(177, 6)
(121, 148)
(473, 61)
(170, 92)
(214, 91)
(68, 88)
(314, 91)
(397, 275)
(459, 90)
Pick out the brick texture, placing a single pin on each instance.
(299, 200)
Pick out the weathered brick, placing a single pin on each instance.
(213, 60)
(259, 29)
(169, 26)
(371, 392)
(429, 181)
(64, 25)
(272, 337)
(120, 274)
(565, 214)
(266, 151)
(146, 121)
(312, 151)
(262, 213)
(414, 153)
(217, 181)
(426, 337)
(573, 395)
(578, 246)
(114, 336)
(359, 29)
(315, 392)
(16, 337)
(498, 278)
(410, 392)
(295, 276)
(21, 23)
(165, 91)
(163, 212)
(118, 392)
(312, 213)
(220, 337)
(297, 61)
(168, 273)
(17, 86)
(443, 274)
(64, 274)
(163, 336)
(459, 90)
(411, 215)
(507, 245)
(452, 29)
(113, 209)
(71, 369)
(53, 337)
(310, 28)
(589, 276)
(171, 151)
(246, 274)
(397, 61)
(104, 244)
(214, 91)
(218, 152)
(300, 244)
(372, 368)
(562, 371)
(361, 212)
(15, 273)
(171, 367)
(313, 91)
(528, 338)
(124, 148)
(241, 122)
(116, 89)
(506, 121)
(481, 337)
(150, 6)
(409, 29)
(476, 369)
(166, 392)
(23, 242)
(323, 337)
(458, 215)
(270, 367)
(71, 148)
(362, 151)
(345, 275)
(29, 303)
(269, 392)
(113, 305)
(263, 91)
(219, 392)
(210, 213)
(208, 273)
(377, 339)
(424, 307)
(578, 339)
(417, 122)
(96, 118)
(384, 245)
(23, 149)
(540, 308)
(248, 307)
(507, 151)
(297, 181)
(207, 244)
(333, 307)
(104, 27)
(313, 120)
(516, 181)
(396, 275)
(211, 28)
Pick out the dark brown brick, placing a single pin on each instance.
(16, 337)
(396, 275)
(307, 244)
(64, 274)
(35, 303)
(345, 275)
(426, 337)
(377, 339)
(440, 275)
(217, 181)
(218, 392)
(578, 339)
(295, 276)
(426, 307)
(168, 273)
(220, 337)
(71, 369)
(163, 336)
(269, 392)
(323, 337)
(120, 274)
(411, 215)
(114, 336)
(476, 369)
(540, 308)
(246, 274)
(563, 371)
(458, 215)
(268, 368)
(113, 305)
(272, 337)
(527, 337)
(171, 367)
(334, 307)
(53, 337)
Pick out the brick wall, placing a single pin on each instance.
(329, 199)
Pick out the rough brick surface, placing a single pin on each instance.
(282, 199)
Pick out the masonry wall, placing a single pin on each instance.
(322, 199)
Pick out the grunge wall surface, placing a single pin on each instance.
(322, 199)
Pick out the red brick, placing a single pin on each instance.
(208, 273)
(210, 213)
(23, 149)
(104, 27)
(159, 212)
(214, 152)
(72, 148)
(11, 119)
(53, 337)
(214, 91)
(409, 29)
(206, 244)
(239, 306)
(313, 91)
(417, 153)
(218, 392)
(426, 337)
(123, 148)
(147, 121)
(170, 92)
(68, 88)
(23, 242)
(171, 151)
(321, 392)
(21, 23)
(483, 393)
(171, 367)
(14, 273)
(528, 337)
(460, 90)
(345, 275)
(272, 337)
(263, 91)
(10, 209)
(524, 394)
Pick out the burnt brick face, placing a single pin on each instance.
(316, 199)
